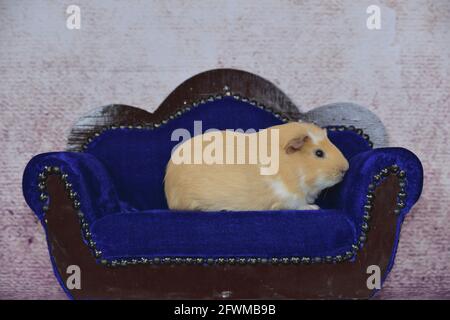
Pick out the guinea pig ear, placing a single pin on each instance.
(295, 144)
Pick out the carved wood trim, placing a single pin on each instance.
(343, 280)
(201, 86)
(346, 279)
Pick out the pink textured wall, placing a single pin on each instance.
(137, 52)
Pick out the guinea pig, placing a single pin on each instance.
(308, 163)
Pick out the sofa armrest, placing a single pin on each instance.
(369, 168)
(88, 183)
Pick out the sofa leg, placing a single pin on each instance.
(343, 280)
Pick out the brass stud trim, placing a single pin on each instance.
(362, 238)
(182, 109)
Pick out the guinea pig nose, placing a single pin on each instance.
(345, 168)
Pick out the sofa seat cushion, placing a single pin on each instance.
(263, 234)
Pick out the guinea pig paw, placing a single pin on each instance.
(312, 207)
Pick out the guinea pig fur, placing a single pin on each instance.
(308, 163)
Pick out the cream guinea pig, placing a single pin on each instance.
(308, 163)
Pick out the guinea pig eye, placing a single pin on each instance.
(320, 153)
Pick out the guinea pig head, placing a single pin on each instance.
(318, 163)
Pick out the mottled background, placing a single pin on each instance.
(136, 52)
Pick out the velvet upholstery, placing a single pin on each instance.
(119, 179)
(161, 233)
(87, 175)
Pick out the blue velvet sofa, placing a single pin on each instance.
(103, 208)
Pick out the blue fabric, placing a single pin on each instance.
(119, 180)
(348, 142)
(87, 175)
(136, 159)
(162, 233)
(350, 194)
(364, 166)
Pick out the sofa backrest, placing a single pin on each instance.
(136, 158)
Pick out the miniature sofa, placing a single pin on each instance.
(132, 246)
